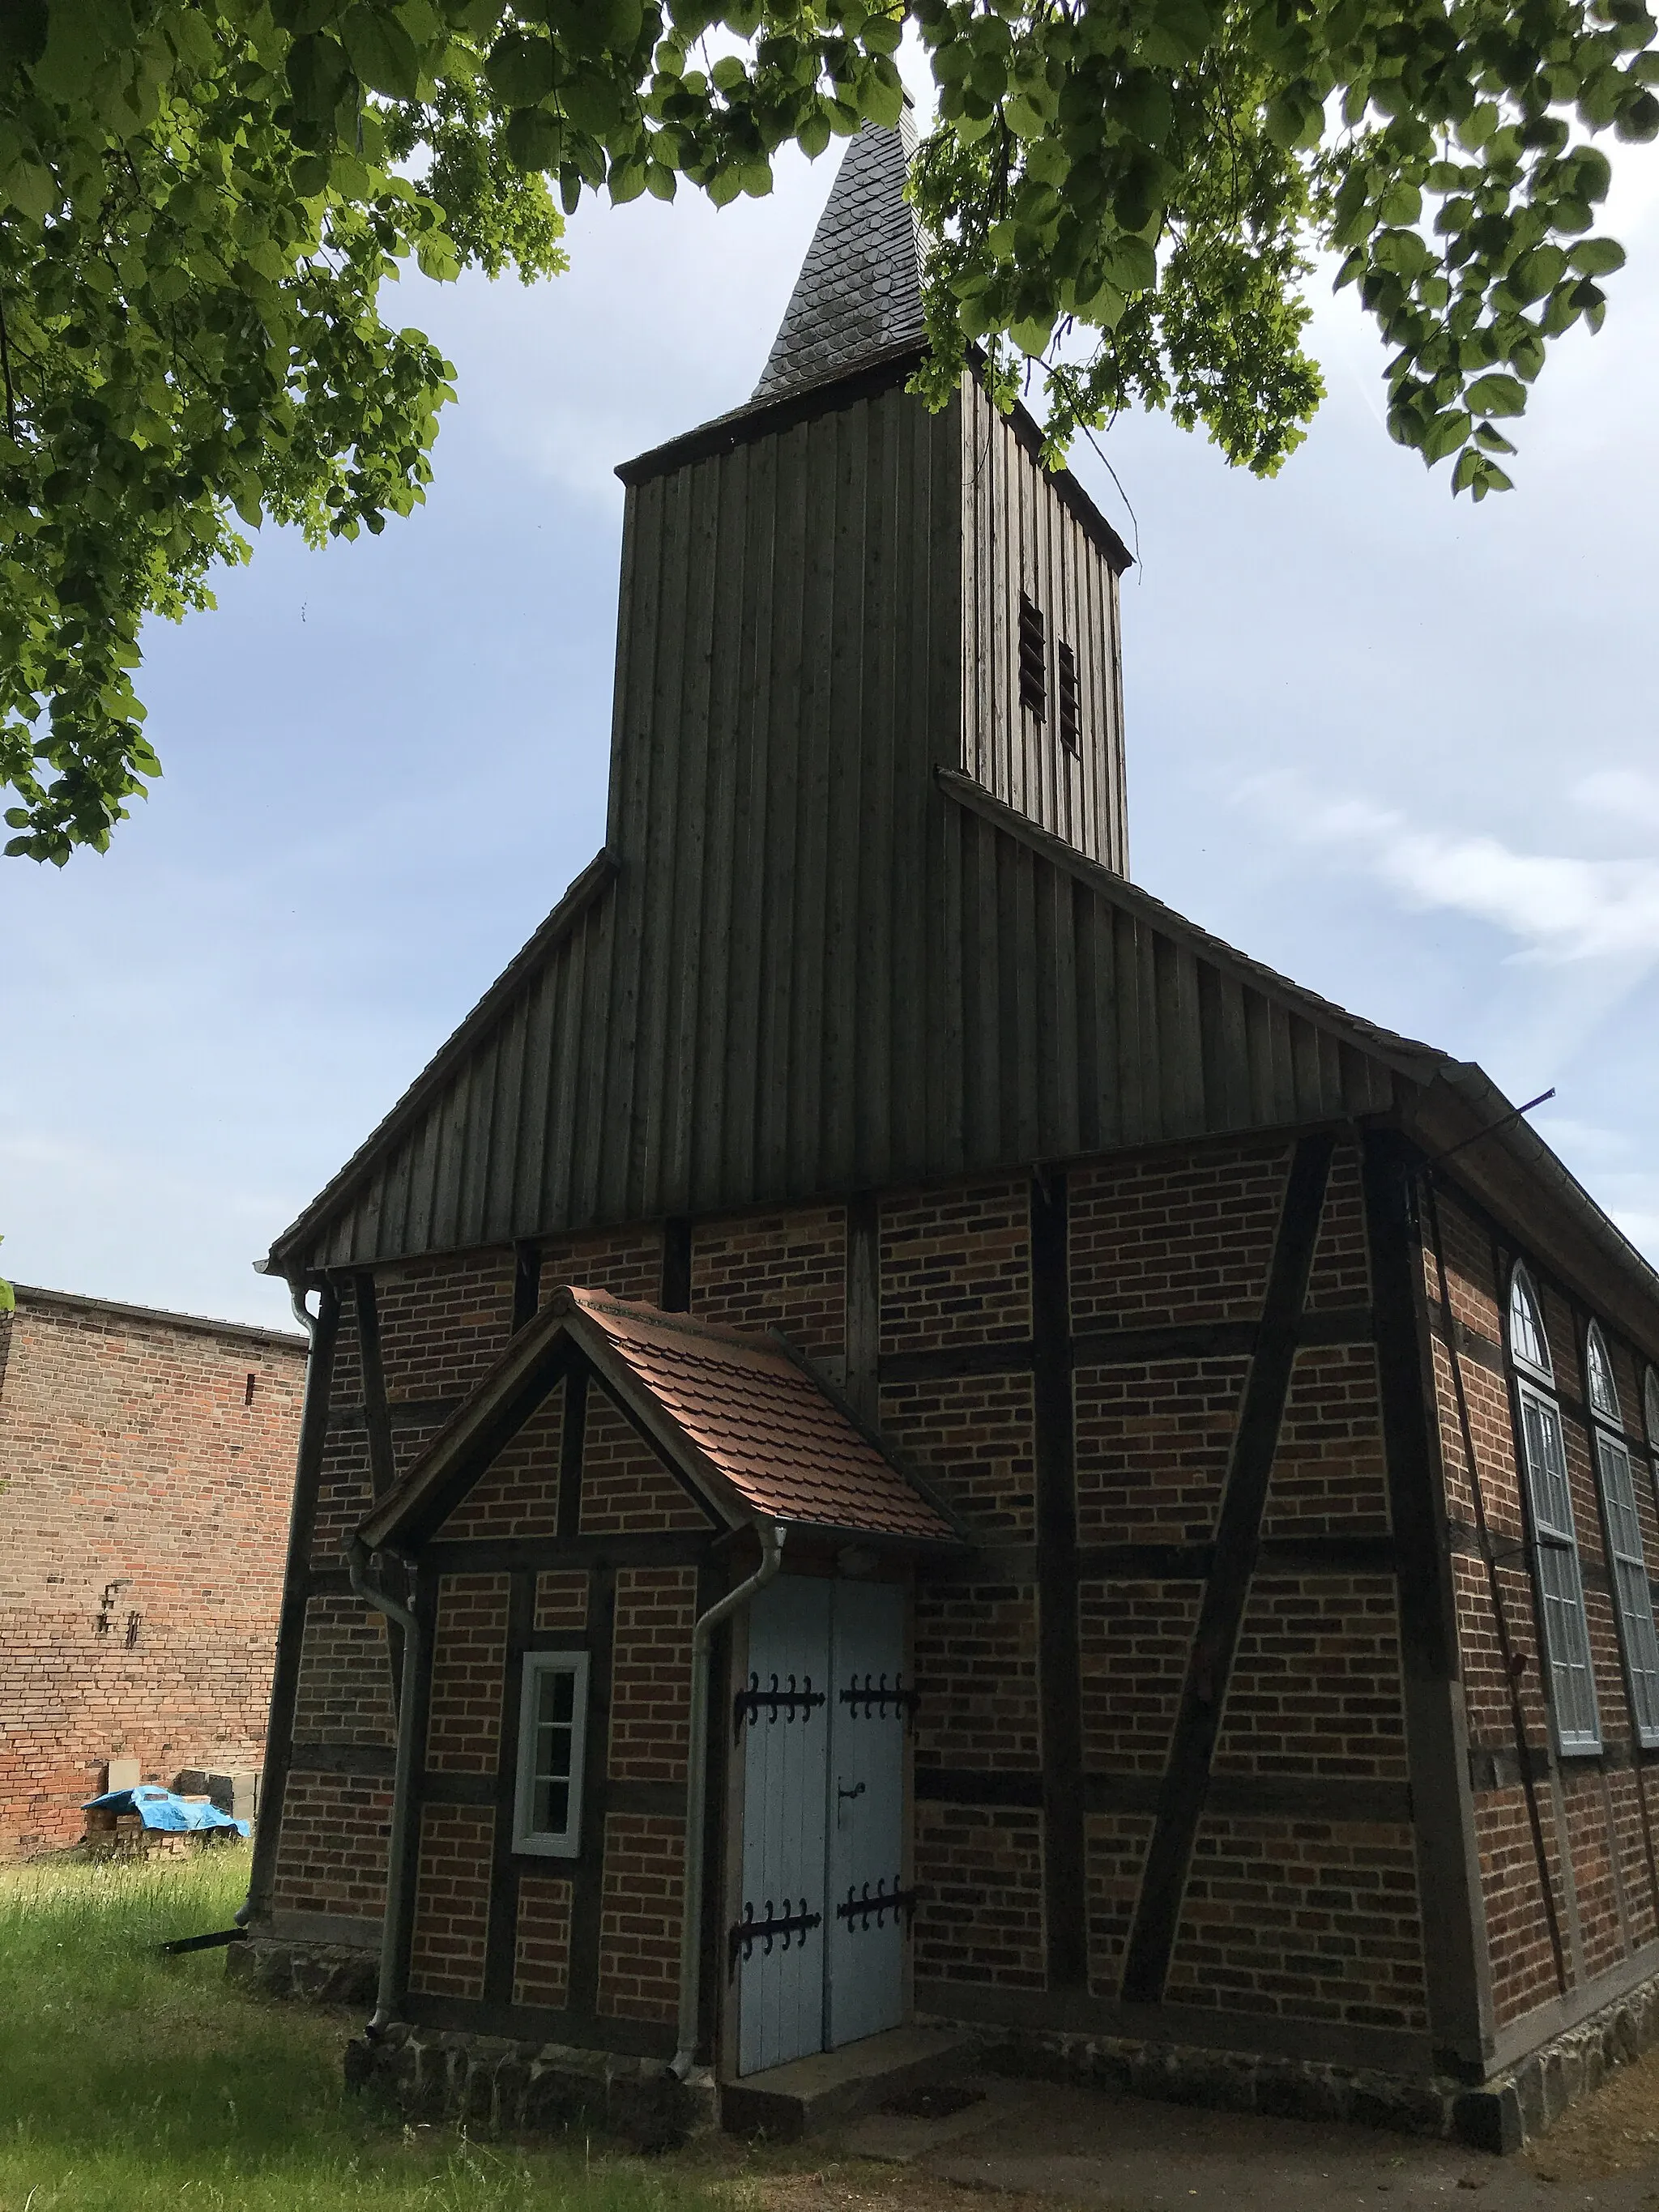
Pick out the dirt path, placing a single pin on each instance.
(1036, 2145)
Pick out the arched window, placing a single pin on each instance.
(1623, 1528)
(1554, 1538)
(1598, 1369)
(1529, 1345)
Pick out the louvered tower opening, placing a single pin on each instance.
(1033, 658)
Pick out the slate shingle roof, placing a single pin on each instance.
(762, 1422)
(859, 293)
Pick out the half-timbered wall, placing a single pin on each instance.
(1568, 1871)
(1022, 535)
(1183, 1758)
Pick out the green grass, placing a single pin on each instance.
(129, 2082)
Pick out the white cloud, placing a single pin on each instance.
(1559, 906)
(1624, 793)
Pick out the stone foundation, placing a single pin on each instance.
(493, 2085)
(316, 1974)
(1502, 2114)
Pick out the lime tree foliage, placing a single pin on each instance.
(202, 200)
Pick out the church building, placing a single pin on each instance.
(906, 1454)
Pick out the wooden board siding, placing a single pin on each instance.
(1048, 1011)
(818, 957)
(1022, 537)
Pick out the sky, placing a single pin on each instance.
(1397, 746)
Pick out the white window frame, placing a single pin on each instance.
(1563, 1625)
(566, 1844)
(1639, 1640)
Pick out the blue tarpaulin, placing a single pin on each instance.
(161, 1808)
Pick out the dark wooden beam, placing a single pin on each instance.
(398, 1937)
(584, 2031)
(382, 1453)
(1338, 1798)
(1221, 1610)
(502, 1942)
(376, 1760)
(291, 1620)
(863, 1295)
(526, 1282)
(377, 1414)
(1333, 1326)
(587, 1869)
(674, 1293)
(571, 1432)
(1059, 1666)
(500, 1555)
(1454, 1920)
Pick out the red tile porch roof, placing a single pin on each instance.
(761, 1421)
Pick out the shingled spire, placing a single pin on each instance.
(859, 294)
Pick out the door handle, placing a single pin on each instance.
(857, 1792)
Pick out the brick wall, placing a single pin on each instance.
(640, 1917)
(443, 1320)
(1596, 1818)
(975, 1663)
(970, 1435)
(1313, 1920)
(627, 1262)
(625, 1486)
(335, 1828)
(980, 1874)
(1176, 1237)
(144, 1499)
(651, 1673)
(956, 1265)
(469, 1666)
(784, 1270)
(518, 1495)
(541, 1973)
(1153, 1442)
(452, 1902)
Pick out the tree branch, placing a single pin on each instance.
(5, 373)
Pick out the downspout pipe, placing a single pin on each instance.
(771, 1535)
(388, 1995)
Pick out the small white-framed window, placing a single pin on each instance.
(1636, 1636)
(547, 1803)
(1555, 1538)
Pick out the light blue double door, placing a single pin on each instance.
(819, 1945)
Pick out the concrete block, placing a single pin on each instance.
(1490, 2119)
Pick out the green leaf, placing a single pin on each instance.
(519, 69)
(1130, 264)
(881, 97)
(1597, 257)
(1496, 394)
(1534, 274)
(31, 189)
(381, 52)
(534, 139)
(318, 74)
(593, 103)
